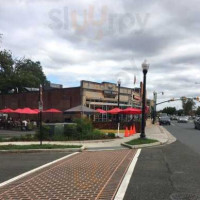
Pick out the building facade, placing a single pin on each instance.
(105, 96)
(91, 94)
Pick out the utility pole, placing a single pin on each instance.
(40, 113)
(154, 109)
(155, 96)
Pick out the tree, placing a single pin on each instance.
(198, 111)
(7, 71)
(180, 112)
(17, 74)
(169, 110)
(29, 74)
(188, 105)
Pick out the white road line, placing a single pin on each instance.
(172, 124)
(123, 187)
(34, 170)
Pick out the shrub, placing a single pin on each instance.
(45, 133)
(111, 135)
(84, 126)
(59, 137)
(70, 131)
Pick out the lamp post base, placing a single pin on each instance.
(142, 136)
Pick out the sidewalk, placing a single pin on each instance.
(152, 131)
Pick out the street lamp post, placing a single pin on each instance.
(118, 120)
(145, 67)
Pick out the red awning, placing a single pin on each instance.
(25, 111)
(114, 111)
(131, 111)
(7, 110)
(52, 110)
(101, 111)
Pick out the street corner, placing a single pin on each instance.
(86, 175)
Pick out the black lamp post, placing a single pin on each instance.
(145, 67)
(119, 84)
(118, 120)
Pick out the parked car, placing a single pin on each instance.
(174, 117)
(164, 120)
(183, 119)
(197, 123)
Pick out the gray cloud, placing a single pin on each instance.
(113, 43)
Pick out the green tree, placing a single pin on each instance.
(180, 112)
(19, 73)
(29, 74)
(198, 111)
(7, 71)
(169, 110)
(188, 106)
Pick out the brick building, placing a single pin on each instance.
(91, 94)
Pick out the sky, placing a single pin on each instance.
(109, 40)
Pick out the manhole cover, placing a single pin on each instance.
(184, 196)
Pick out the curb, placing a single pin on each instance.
(44, 150)
(142, 145)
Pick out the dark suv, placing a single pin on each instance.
(197, 123)
(164, 120)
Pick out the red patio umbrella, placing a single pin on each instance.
(36, 109)
(25, 111)
(114, 111)
(52, 110)
(101, 111)
(7, 110)
(131, 111)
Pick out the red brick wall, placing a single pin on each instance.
(61, 99)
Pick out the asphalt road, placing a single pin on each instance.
(14, 164)
(186, 133)
(170, 172)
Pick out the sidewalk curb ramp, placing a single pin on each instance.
(170, 139)
(44, 150)
(142, 145)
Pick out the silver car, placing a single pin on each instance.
(183, 119)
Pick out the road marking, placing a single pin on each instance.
(123, 187)
(172, 124)
(34, 170)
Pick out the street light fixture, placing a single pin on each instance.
(145, 68)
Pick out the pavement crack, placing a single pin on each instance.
(169, 171)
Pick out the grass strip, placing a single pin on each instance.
(141, 141)
(37, 146)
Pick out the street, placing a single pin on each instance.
(170, 171)
(186, 134)
(14, 164)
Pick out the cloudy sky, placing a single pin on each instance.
(107, 40)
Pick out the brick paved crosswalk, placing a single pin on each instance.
(84, 176)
